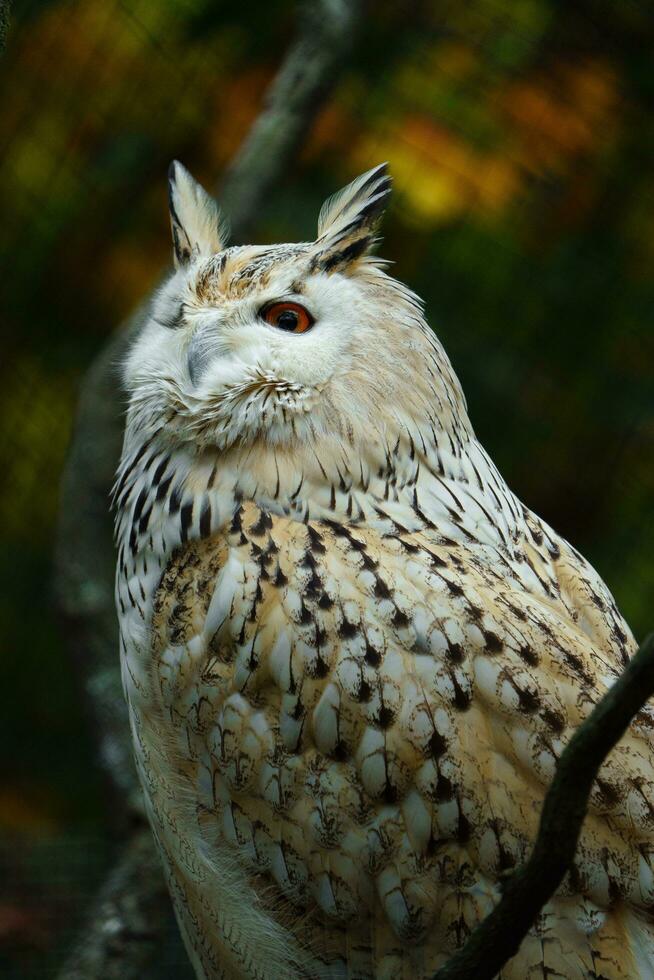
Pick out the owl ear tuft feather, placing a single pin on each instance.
(347, 221)
(196, 223)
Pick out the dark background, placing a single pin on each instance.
(520, 134)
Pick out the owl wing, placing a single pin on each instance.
(364, 725)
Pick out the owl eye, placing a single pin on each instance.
(288, 316)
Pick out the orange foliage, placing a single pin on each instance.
(236, 103)
(570, 113)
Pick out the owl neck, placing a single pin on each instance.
(441, 480)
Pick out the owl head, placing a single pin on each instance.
(306, 348)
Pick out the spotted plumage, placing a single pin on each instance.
(352, 657)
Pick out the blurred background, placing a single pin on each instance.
(520, 134)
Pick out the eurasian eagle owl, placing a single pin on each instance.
(352, 656)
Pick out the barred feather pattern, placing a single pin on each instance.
(351, 668)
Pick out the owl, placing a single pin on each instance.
(351, 655)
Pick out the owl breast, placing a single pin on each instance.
(355, 720)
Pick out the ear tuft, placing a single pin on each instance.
(347, 221)
(197, 226)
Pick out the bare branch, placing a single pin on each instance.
(84, 569)
(308, 73)
(4, 22)
(126, 923)
(499, 936)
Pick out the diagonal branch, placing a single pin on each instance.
(499, 936)
(309, 71)
(128, 920)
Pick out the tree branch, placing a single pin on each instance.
(126, 923)
(84, 556)
(4, 23)
(499, 936)
(309, 71)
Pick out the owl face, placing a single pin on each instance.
(283, 344)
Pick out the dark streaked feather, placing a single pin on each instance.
(196, 223)
(348, 220)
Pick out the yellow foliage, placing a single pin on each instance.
(439, 174)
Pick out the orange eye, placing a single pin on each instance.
(288, 316)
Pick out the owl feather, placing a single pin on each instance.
(352, 657)
(197, 226)
(348, 219)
